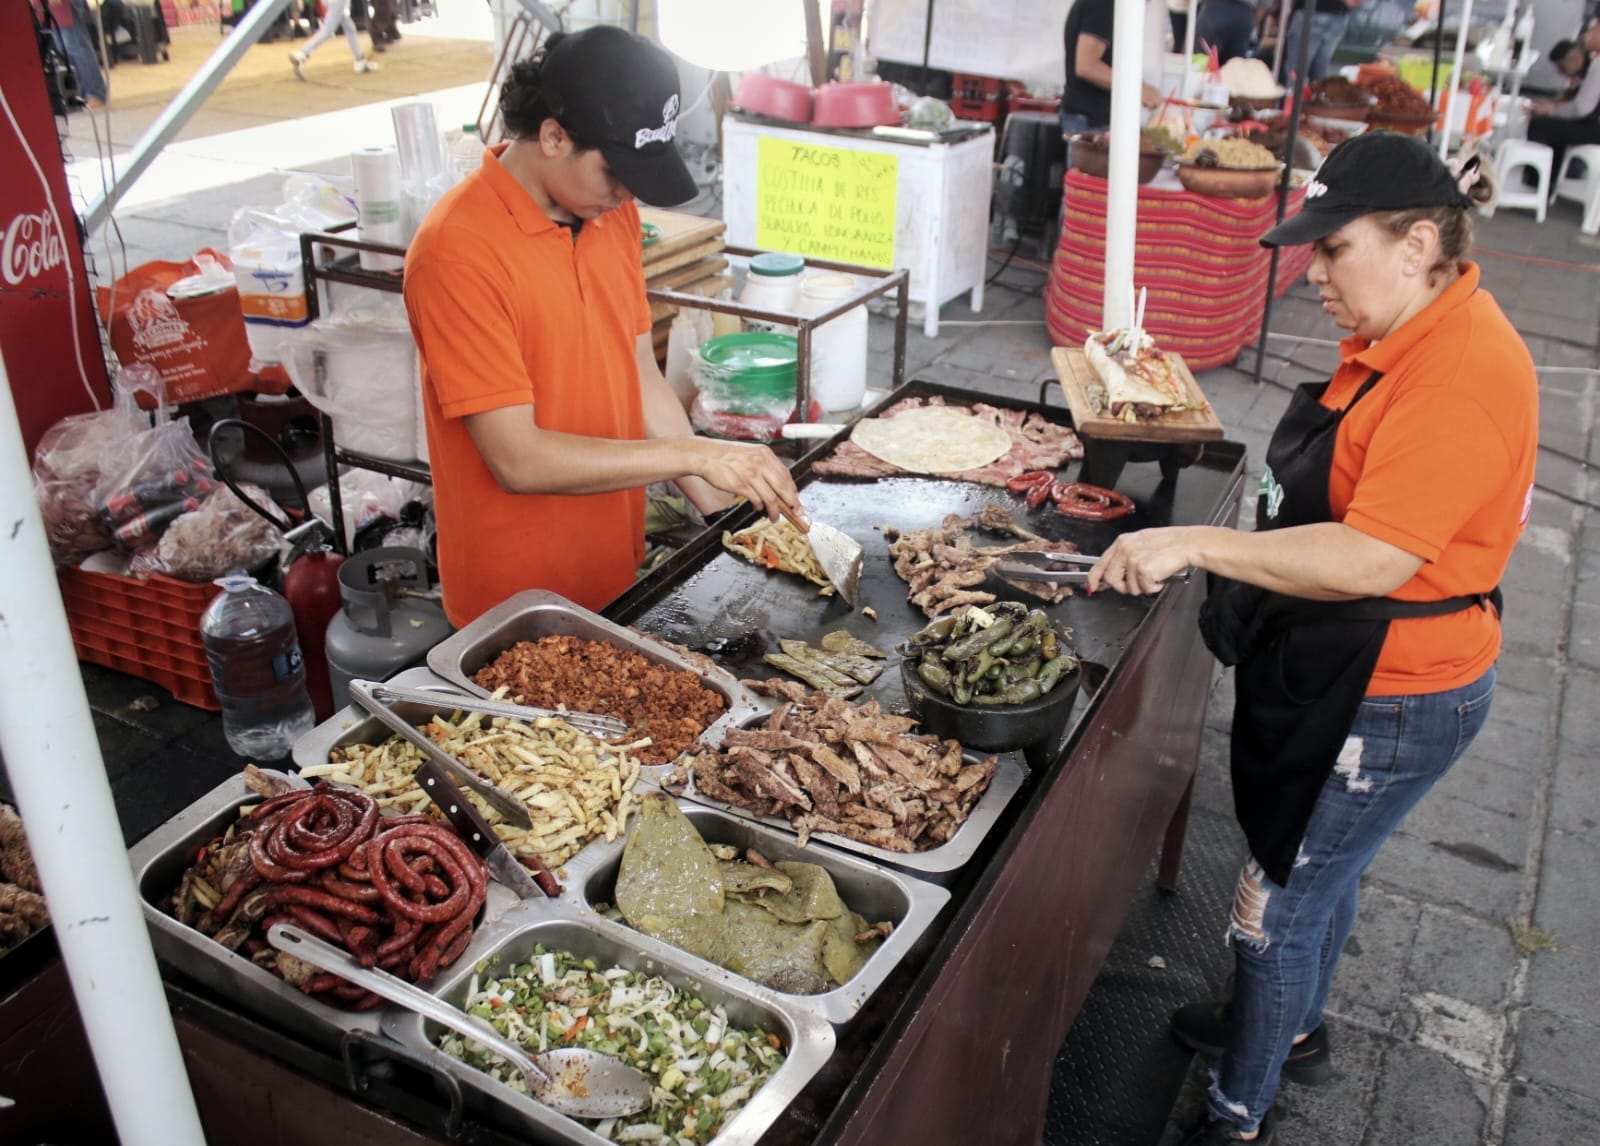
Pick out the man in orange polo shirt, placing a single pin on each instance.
(546, 412)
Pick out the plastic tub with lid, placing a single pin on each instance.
(838, 346)
(773, 283)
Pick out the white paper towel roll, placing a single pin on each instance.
(416, 134)
(378, 195)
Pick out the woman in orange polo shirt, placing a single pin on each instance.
(1362, 613)
(546, 413)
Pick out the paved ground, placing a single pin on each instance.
(1468, 1004)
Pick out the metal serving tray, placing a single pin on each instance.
(534, 614)
(159, 861)
(808, 1038)
(937, 863)
(873, 891)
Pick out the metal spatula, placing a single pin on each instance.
(579, 1083)
(840, 556)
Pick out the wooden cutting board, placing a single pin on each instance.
(693, 272)
(678, 231)
(1077, 376)
(706, 287)
(709, 249)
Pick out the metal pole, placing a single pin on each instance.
(816, 46)
(167, 125)
(1438, 54)
(1296, 99)
(53, 760)
(1284, 16)
(1122, 191)
(927, 46)
(1455, 78)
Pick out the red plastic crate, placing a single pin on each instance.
(966, 86)
(985, 110)
(149, 629)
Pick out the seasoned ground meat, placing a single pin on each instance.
(670, 706)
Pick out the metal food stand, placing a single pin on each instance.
(957, 1041)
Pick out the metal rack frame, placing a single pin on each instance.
(898, 281)
(347, 269)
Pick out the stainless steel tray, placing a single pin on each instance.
(873, 891)
(809, 1039)
(536, 613)
(159, 861)
(935, 863)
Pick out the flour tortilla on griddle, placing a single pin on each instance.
(932, 440)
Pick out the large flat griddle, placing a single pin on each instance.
(708, 599)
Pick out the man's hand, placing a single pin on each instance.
(752, 472)
(1140, 563)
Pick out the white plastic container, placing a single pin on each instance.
(773, 283)
(839, 347)
(466, 152)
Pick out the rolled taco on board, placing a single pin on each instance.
(1139, 381)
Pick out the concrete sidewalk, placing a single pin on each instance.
(1468, 1004)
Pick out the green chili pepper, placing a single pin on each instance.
(1021, 692)
(977, 642)
(1053, 671)
(1023, 646)
(936, 633)
(935, 676)
(962, 694)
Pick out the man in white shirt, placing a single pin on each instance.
(1567, 123)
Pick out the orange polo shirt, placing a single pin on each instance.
(1438, 460)
(508, 310)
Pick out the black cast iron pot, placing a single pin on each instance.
(1035, 727)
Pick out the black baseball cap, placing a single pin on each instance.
(618, 91)
(1374, 171)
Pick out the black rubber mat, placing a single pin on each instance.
(1118, 1073)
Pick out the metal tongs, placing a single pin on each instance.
(1033, 566)
(1030, 565)
(371, 696)
(588, 723)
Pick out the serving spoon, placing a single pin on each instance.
(571, 1081)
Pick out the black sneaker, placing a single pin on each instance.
(1203, 1028)
(1225, 1133)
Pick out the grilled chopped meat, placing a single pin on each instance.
(831, 766)
(941, 565)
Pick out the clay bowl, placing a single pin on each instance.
(868, 104)
(761, 94)
(1347, 112)
(1230, 182)
(1256, 103)
(992, 728)
(1401, 123)
(1090, 152)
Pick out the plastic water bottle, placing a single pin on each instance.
(466, 153)
(257, 669)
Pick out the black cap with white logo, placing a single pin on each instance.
(1374, 171)
(619, 91)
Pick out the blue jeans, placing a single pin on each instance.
(1287, 940)
(1327, 29)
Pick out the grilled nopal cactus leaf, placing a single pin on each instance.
(669, 879)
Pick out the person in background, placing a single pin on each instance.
(1086, 102)
(546, 412)
(1363, 611)
(335, 16)
(1229, 26)
(1560, 124)
(75, 33)
(1329, 19)
(382, 26)
(1178, 19)
(1569, 58)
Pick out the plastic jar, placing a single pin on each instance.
(466, 153)
(773, 283)
(838, 347)
(256, 666)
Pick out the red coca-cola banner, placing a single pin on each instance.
(48, 331)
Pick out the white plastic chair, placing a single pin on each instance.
(1583, 187)
(1509, 158)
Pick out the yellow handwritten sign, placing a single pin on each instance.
(826, 202)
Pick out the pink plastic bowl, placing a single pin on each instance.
(761, 94)
(855, 105)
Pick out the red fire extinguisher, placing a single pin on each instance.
(311, 579)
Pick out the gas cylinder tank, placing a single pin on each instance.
(311, 586)
(385, 622)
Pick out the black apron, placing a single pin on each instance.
(1307, 664)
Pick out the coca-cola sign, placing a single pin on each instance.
(32, 246)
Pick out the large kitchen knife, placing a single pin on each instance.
(480, 837)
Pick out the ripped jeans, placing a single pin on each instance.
(1287, 940)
